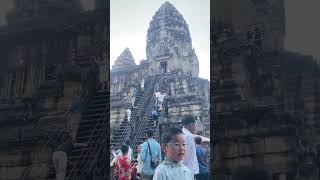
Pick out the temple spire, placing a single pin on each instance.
(124, 60)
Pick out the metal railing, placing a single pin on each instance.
(146, 100)
(52, 136)
(145, 121)
(92, 142)
(93, 148)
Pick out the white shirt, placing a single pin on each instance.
(168, 170)
(128, 111)
(190, 160)
(161, 97)
(157, 94)
(119, 153)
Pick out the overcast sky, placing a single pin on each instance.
(129, 22)
(302, 27)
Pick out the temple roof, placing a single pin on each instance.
(124, 60)
(167, 29)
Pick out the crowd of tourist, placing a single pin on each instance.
(185, 157)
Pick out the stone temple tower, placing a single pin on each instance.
(125, 60)
(169, 45)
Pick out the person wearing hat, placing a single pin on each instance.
(190, 160)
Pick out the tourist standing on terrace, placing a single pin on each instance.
(189, 128)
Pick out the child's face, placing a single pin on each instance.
(175, 149)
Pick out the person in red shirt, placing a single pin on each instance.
(123, 164)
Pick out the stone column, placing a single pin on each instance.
(282, 176)
(7, 85)
(2, 87)
(30, 80)
(17, 85)
(20, 82)
(38, 76)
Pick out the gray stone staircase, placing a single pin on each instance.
(92, 161)
(91, 129)
(51, 87)
(142, 102)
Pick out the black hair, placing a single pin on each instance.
(124, 149)
(168, 134)
(198, 140)
(134, 161)
(187, 119)
(149, 133)
(127, 142)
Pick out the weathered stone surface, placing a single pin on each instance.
(266, 99)
(125, 60)
(277, 144)
(32, 72)
(169, 42)
(170, 55)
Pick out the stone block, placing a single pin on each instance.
(4, 171)
(277, 144)
(38, 171)
(243, 161)
(226, 150)
(221, 177)
(278, 161)
(245, 149)
(15, 172)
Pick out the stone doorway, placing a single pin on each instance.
(163, 67)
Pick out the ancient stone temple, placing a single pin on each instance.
(169, 46)
(172, 68)
(47, 50)
(125, 60)
(266, 99)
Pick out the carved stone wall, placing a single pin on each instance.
(169, 43)
(243, 16)
(266, 109)
(169, 47)
(40, 70)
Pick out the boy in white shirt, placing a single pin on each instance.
(174, 145)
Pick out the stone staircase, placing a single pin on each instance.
(138, 116)
(94, 155)
(144, 104)
(147, 123)
(54, 136)
(50, 87)
(123, 132)
(92, 129)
